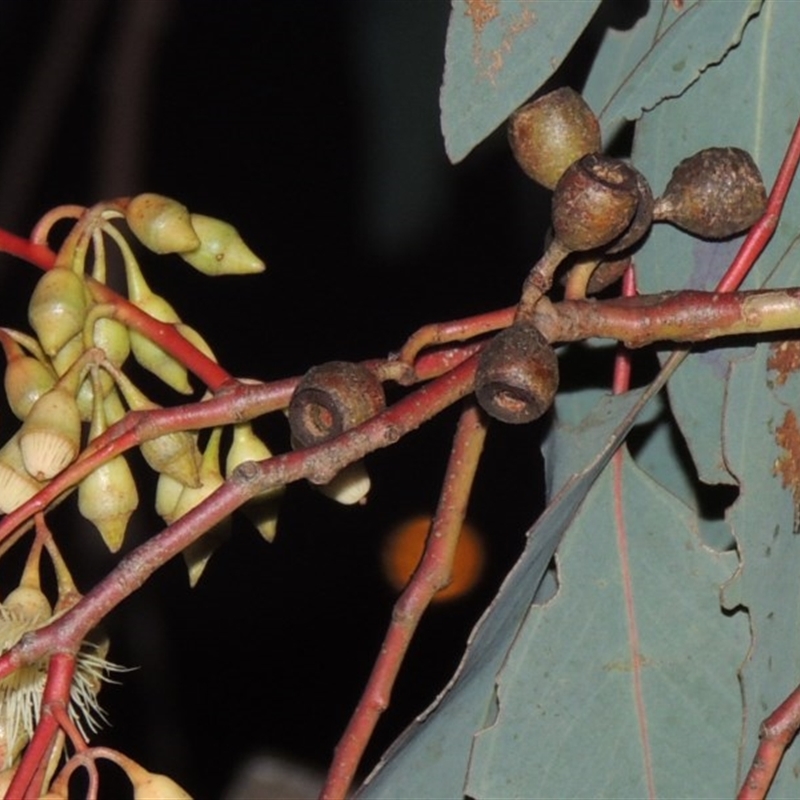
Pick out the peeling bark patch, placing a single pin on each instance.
(784, 359)
(489, 61)
(787, 437)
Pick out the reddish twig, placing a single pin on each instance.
(760, 234)
(455, 331)
(433, 573)
(777, 733)
(167, 336)
(319, 464)
(239, 403)
(29, 775)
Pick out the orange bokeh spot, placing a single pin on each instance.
(403, 548)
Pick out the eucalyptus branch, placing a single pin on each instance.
(685, 316)
(433, 573)
(318, 464)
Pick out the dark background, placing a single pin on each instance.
(313, 127)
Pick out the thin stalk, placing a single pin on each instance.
(433, 573)
(318, 464)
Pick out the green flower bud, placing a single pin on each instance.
(108, 496)
(168, 490)
(161, 224)
(222, 251)
(152, 357)
(146, 352)
(199, 552)
(69, 353)
(175, 454)
(50, 437)
(57, 309)
(348, 487)
(26, 379)
(262, 511)
(158, 787)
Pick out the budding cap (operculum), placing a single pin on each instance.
(57, 308)
(350, 486)
(151, 785)
(262, 510)
(50, 437)
(222, 251)
(197, 554)
(716, 193)
(517, 376)
(176, 453)
(108, 496)
(550, 133)
(161, 224)
(26, 379)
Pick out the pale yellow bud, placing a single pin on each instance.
(16, 485)
(349, 486)
(26, 379)
(246, 446)
(161, 224)
(168, 490)
(198, 553)
(108, 496)
(146, 352)
(50, 437)
(28, 603)
(57, 309)
(69, 353)
(150, 355)
(262, 511)
(222, 251)
(158, 787)
(175, 454)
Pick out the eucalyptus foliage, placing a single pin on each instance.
(672, 627)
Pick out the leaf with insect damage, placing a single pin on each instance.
(762, 449)
(666, 51)
(432, 757)
(649, 660)
(736, 402)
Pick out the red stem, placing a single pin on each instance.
(29, 775)
(434, 572)
(164, 334)
(318, 463)
(758, 236)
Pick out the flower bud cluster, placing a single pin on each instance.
(66, 382)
